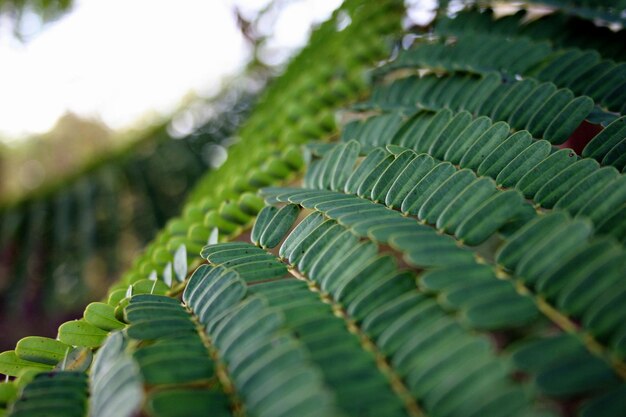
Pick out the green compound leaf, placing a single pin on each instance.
(451, 260)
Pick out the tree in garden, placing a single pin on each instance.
(437, 250)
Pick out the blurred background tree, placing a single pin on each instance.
(39, 12)
(80, 200)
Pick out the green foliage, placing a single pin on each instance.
(62, 394)
(442, 257)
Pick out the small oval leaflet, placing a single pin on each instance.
(167, 274)
(180, 263)
(81, 333)
(77, 359)
(41, 349)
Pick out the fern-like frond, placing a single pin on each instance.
(441, 257)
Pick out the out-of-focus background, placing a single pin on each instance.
(110, 110)
(100, 72)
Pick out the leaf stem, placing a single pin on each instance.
(221, 370)
(385, 368)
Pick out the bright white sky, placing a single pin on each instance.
(121, 59)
